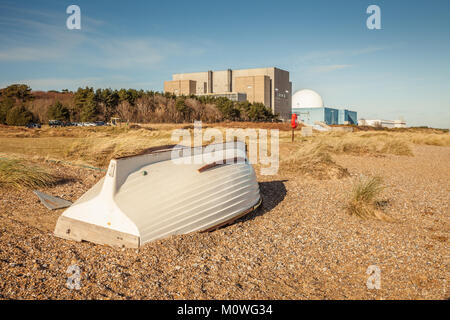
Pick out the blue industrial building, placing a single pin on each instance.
(326, 115)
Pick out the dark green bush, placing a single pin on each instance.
(58, 112)
(5, 105)
(18, 116)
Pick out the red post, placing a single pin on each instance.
(293, 124)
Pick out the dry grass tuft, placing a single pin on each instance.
(15, 174)
(313, 161)
(363, 201)
(367, 190)
(442, 140)
(99, 151)
(377, 143)
(397, 147)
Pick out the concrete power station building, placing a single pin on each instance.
(309, 107)
(270, 86)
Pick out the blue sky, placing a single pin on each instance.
(402, 70)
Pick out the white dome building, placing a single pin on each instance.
(309, 107)
(307, 98)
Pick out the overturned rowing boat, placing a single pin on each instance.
(163, 192)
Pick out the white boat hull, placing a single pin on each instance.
(150, 196)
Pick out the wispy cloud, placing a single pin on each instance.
(329, 68)
(55, 83)
(367, 50)
(330, 60)
(97, 51)
(33, 38)
(128, 53)
(341, 53)
(30, 54)
(37, 36)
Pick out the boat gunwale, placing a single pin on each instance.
(171, 147)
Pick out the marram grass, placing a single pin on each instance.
(16, 174)
(363, 199)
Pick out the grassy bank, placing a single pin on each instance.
(307, 155)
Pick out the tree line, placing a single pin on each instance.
(19, 106)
